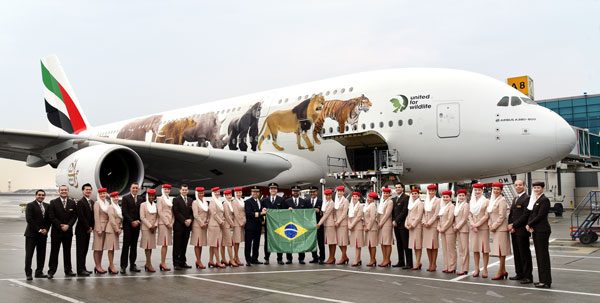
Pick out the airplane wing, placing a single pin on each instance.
(162, 162)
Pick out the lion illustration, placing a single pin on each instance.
(240, 127)
(343, 112)
(137, 129)
(297, 120)
(172, 132)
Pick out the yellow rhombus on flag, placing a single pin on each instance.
(290, 231)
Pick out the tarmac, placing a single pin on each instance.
(575, 273)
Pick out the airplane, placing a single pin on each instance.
(423, 124)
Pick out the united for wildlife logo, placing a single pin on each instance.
(290, 231)
(399, 102)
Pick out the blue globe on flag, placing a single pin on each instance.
(290, 231)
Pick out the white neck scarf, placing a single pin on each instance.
(475, 204)
(366, 208)
(228, 203)
(218, 202)
(325, 204)
(382, 205)
(168, 200)
(352, 209)
(458, 207)
(429, 202)
(103, 204)
(338, 201)
(202, 203)
(117, 208)
(411, 202)
(443, 206)
(532, 200)
(493, 201)
(150, 206)
(240, 201)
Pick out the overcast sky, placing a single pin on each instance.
(129, 58)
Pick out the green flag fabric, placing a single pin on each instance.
(291, 231)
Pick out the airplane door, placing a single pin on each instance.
(448, 120)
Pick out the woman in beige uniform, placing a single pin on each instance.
(415, 226)
(386, 227)
(165, 224)
(371, 228)
(215, 221)
(341, 223)
(431, 208)
(149, 218)
(239, 221)
(446, 231)
(226, 229)
(328, 221)
(100, 222)
(199, 226)
(355, 225)
(480, 231)
(113, 230)
(498, 210)
(461, 227)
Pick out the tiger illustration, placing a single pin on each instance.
(342, 111)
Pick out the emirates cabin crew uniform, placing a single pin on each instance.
(384, 217)
(371, 226)
(461, 225)
(239, 219)
(447, 234)
(165, 219)
(149, 218)
(478, 218)
(414, 223)
(215, 221)
(355, 223)
(341, 219)
(328, 221)
(100, 222)
(114, 226)
(200, 223)
(431, 209)
(498, 223)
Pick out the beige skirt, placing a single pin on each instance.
(199, 237)
(342, 235)
(98, 244)
(372, 238)
(386, 235)
(500, 244)
(415, 238)
(165, 236)
(480, 241)
(227, 237)
(430, 237)
(330, 235)
(238, 234)
(148, 239)
(215, 239)
(111, 242)
(357, 238)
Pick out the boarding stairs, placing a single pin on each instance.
(387, 168)
(585, 217)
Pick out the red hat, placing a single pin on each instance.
(373, 195)
(386, 190)
(152, 191)
(328, 191)
(200, 188)
(461, 191)
(447, 193)
(432, 187)
(237, 188)
(341, 187)
(355, 193)
(497, 184)
(227, 192)
(415, 190)
(215, 189)
(478, 185)
(114, 194)
(166, 185)
(102, 190)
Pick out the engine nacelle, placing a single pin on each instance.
(106, 165)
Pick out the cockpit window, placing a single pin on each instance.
(529, 101)
(503, 102)
(514, 101)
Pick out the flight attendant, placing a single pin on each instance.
(498, 222)
(226, 229)
(415, 226)
(447, 233)
(341, 223)
(371, 227)
(113, 230)
(355, 225)
(100, 222)
(461, 227)
(431, 208)
(328, 221)
(149, 222)
(239, 221)
(386, 228)
(199, 226)
(215, 233)
(538, 226)
(164, 206)
(480, 231)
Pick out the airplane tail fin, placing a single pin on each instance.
(62, 107)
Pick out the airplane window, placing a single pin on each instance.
(335, 92)
(227, 110)
(529, 101)
(299, 98)
(364, 126)
(381, 124)
(347, 128)
(327, 93)
(351, 89)
(239, 108)
(399, 122)
(514, 101)
(409, 121)
(286, 100)
(372, 125)
(330, 130)
(503, 102)
(343, 90)
(391, 123)
(355, 127)
(279, 101)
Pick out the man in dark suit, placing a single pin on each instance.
(36, 234)
(84, 228)
(295, 202)
(399, 213)
(254, 219)
(273, 201)
(315, 202)
(62, 212)
(517, 220)
(182, 212)
(131, 227)
(539, 227)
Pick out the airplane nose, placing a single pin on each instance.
(565, 138)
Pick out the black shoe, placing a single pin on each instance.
(177, 267)
(279, 262)
(321, 262)
(134, 268)
(302, 262)
(41, 276)
(526, 281)
(248, 264)
(516, 278)
(29, 278)
(542, 285)
(87, 271)
(288, 262)
(314, 261)
(398, 265)
(70, 274)
(256, 262)
(407, 267)
(266, 262)
(123, 270)
(185, 266)
(83, 273)
(50, 276)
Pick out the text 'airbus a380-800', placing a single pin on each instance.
(423, 124)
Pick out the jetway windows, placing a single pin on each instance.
(503, 102)
(514, 101)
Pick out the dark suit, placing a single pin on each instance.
(399, 213)
(182, 210)
(85, 221)
(538, 220)
(301, 203)
(34, 240)
(279, 203)
(61, 215)
(252, 230)
(518, 216)
(318, 203)
(131, 212)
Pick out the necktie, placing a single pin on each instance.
(295, 202)
(90, 203)
(258, 202)
(42, 208)
(313, 202)
(64, 204)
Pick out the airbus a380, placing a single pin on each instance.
(442, 125)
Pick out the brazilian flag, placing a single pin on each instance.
(291, 231)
